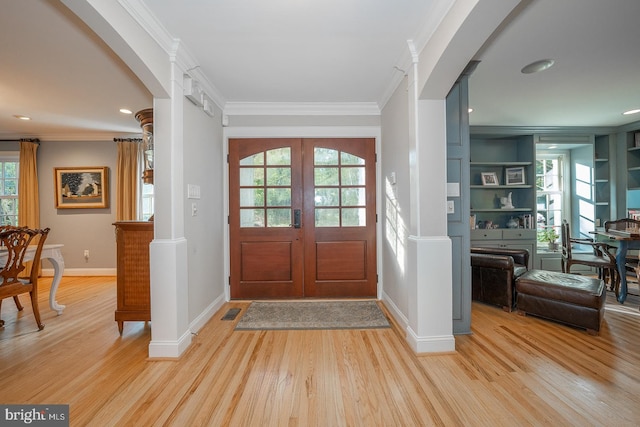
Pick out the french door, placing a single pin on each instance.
(302, 218)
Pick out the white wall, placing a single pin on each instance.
(204, 166)
(395, 201)
(79, 229)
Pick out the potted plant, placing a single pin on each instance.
(549, 235)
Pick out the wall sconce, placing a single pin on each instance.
(145, 117)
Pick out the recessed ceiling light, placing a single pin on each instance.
(470, 110)
(126, 111)
(18, 116)
(626, 113)
(536, 67)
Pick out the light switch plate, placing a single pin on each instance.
(450, 208)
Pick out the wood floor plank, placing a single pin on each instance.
(512, 370)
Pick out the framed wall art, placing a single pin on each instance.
(489, 178)
(81, 187)
(514, 176)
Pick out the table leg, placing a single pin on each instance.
(621, 260)
(58, 267)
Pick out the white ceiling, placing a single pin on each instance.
(56, 71)
(595, 45)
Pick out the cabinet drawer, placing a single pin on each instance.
(519, 233)
(486, 234)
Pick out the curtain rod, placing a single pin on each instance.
(127, 139)
(34, 140)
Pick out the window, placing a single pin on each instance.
(9, 163)
(550, 192)
(146, 200)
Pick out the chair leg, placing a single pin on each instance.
(36, 310)
(17, 301)
(615, 281)
(1, 321)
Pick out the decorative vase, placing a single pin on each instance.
(513, 223)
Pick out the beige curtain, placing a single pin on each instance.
(28, 193)
(127, 179)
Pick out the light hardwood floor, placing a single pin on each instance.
(512, 370)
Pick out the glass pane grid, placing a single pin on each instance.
(9, 192)
(265, 189)
(340, 192)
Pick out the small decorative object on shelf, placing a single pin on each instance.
(513, 223)
(514, 176)
(505, 202)
(637, 138)
(489, 178)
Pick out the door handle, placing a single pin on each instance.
(296, 218)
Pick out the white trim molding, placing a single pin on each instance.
(301, 109)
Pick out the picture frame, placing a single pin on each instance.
(514, 176)
(489, 178)
(81, 187)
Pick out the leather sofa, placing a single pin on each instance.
(494, 272)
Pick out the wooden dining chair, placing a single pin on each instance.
(16, 243)
(602, 257)
(16, 299)
(626, 224)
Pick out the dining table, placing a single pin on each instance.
(53, 253)
(624, 240)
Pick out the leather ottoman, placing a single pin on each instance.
(568, 298)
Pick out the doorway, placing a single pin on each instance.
(302, 218)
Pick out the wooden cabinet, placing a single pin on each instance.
(132, 241)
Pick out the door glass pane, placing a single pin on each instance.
(353, 196)
(328, 217)
(326, 197)
(278, 176)
(350, 159)
(251, 197)
(325, 156)
(354, 217)
(250, 177)
(279, 217)
(278, 196)
(279, 156)
(326, 176)
(251, 218)
(256, 159)
(353, 176)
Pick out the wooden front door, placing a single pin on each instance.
(302, 218)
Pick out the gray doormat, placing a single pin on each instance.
(313, 315)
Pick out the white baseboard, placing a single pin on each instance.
(207, 314)
(48, 272)
(393, 309)
(169, 349)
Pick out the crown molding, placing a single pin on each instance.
(301, 109)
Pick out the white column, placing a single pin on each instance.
(170, 334)
(430, 313)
